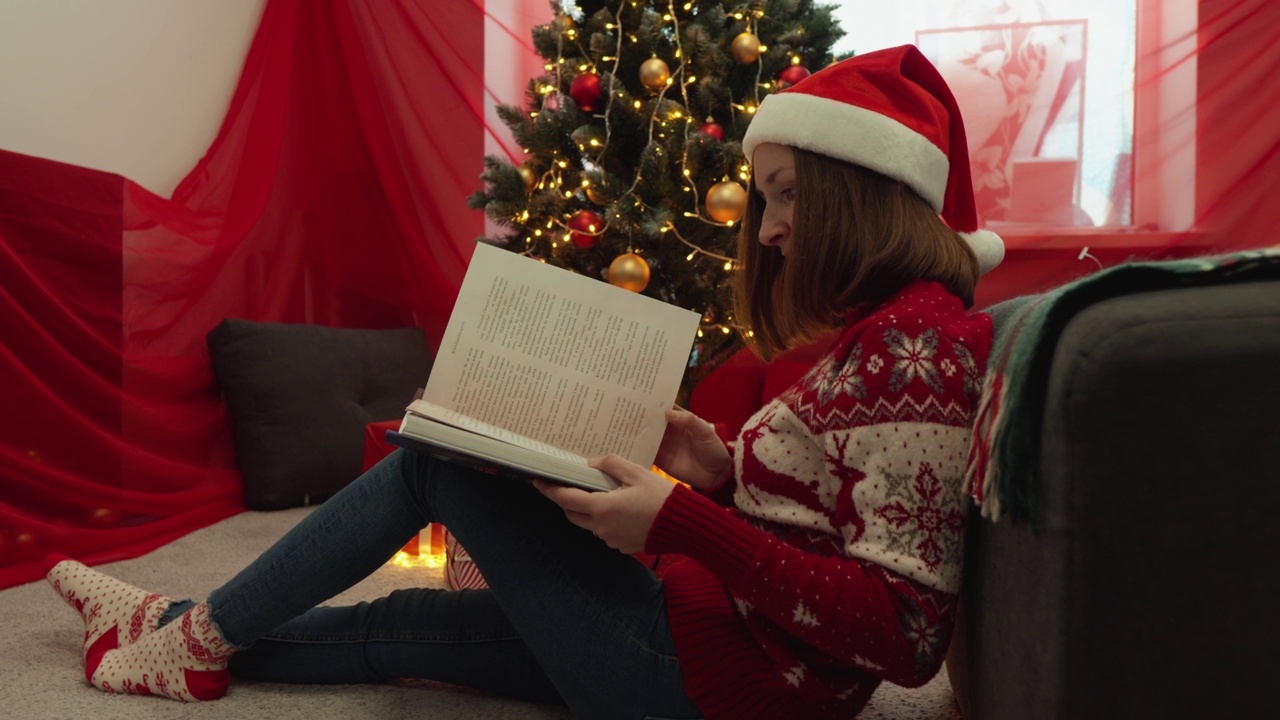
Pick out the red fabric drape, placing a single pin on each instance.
(335, 194)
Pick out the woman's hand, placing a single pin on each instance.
(692, 452)
(621, 517)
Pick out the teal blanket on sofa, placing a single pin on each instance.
(1002, 474)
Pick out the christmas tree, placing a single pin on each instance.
(634, 171)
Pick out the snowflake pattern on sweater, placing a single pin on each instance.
(865, 455)
(851, 481)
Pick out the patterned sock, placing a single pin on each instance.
(184, 660)
(115, 613)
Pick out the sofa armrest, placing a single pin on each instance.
(1145, 589)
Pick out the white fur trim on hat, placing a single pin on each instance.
(853, 134)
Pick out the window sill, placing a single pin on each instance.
(1041, 257)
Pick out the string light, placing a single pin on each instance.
(696, 249)
(661, 126)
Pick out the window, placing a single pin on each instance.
(1047, 88)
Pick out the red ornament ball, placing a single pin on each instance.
(584, 222)
(712, 129)
(793, 74)
(585, 90)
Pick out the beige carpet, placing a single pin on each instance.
(41, 675)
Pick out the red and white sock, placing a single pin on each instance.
(115, 613)
(184, 660)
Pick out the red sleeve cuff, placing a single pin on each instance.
(693, 525)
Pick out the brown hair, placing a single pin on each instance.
(857, 238)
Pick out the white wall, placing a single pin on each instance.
(134, 87)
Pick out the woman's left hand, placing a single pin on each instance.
(621, 517)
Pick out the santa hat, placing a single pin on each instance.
(888, 111)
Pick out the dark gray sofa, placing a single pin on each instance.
(1145, 584)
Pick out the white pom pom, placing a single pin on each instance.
(987, 246)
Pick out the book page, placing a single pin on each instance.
(561, 358)
(466, 422)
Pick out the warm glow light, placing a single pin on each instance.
(404, 559)
(661, 473)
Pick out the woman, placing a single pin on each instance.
(824, 554)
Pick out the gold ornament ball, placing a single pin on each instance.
(564, 23)
(597, 195)
(745, 48)
(654, 74)
(726, 201)
(529, 177)
(629, 272)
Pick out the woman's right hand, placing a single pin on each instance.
(692, 452)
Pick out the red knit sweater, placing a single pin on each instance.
(839, 561)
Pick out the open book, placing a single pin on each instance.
(540, 369)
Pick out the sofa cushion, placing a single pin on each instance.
(300, 397)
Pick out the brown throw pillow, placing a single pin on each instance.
(300, 396)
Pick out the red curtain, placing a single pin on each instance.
(335, 194)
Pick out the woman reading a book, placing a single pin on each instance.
(823, 553)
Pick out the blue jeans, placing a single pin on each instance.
(565, 618)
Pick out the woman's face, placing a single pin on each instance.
(774, 171)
